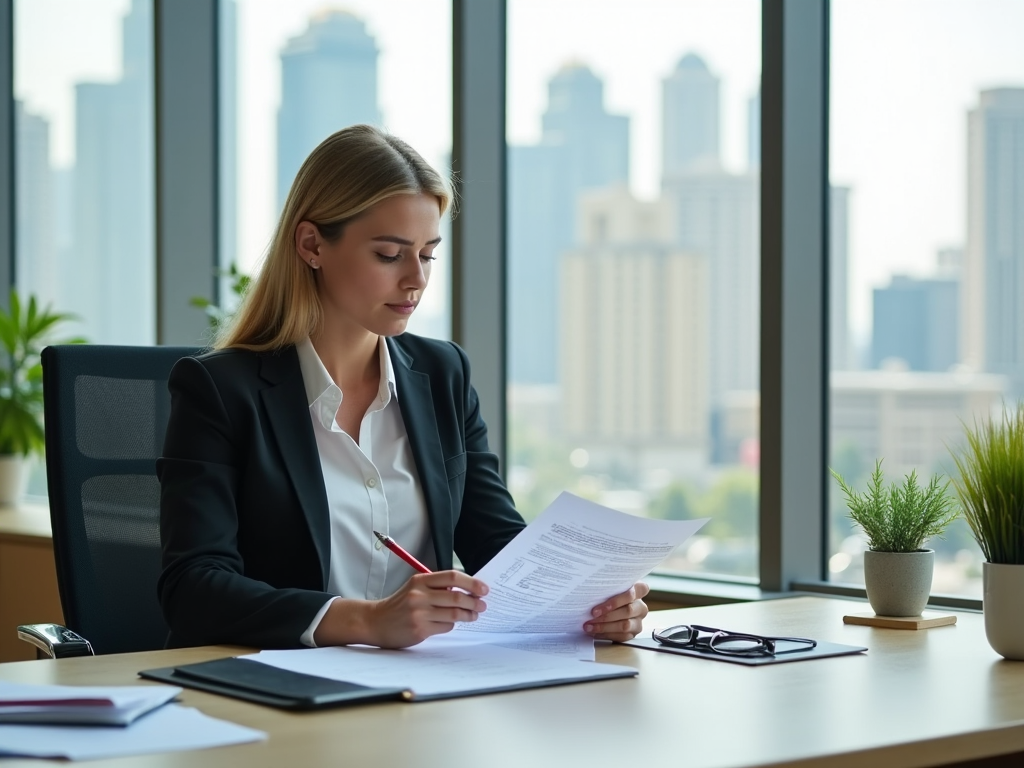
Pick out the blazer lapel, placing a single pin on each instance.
(417, 407)
(288, 414)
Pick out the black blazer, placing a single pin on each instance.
(244, 522)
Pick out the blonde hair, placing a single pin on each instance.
(350, 172)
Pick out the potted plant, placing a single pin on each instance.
(217, 315)
(24, 331)
(991, 491)
(897, 521)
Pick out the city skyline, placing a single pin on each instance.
(699, 189)
(930, 80)
(859, 292)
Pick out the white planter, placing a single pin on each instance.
(13, 478)
(1003, 605)
(898, 583)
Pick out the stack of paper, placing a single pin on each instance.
(81, 705)
(170, 728)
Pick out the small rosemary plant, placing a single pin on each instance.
(901, 517)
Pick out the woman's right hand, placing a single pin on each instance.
(427, 604)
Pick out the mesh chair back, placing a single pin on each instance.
(106, 410)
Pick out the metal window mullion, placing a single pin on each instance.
(794, 290)
(186, 88)
(478, 231)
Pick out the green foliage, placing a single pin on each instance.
(24, 331)
(732, 505)
(674, 502)
(547, 462)
(900, 518)
(217, 315)
(991, 487)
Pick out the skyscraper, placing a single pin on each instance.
(634, 336)
(228, 128)
(754, 131)
(113, 197)
(34, 261)
(840, 350)
(916, 321)
(328, 81)
(594, 144)
(582, 147)
(690, 118)
(993, 328)
(716, 216)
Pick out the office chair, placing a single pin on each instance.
(105, 410)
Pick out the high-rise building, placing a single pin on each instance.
(328, 81)
(34, 267)
(993, 319)
(113, 197)
(716, 216)
(690, 118)
(949, 262)
(634, 336)
(228, 149)
(582, 147)
(754, 131)
(911, 419)
(916, 320)
(840, 349)
(594, 143)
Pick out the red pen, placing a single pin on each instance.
(395, 547)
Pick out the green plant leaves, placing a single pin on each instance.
(216, 315)
(991, 486)
(24, 331)
(900, 518)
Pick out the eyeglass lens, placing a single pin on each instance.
(722, 641)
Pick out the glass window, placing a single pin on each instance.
(293, 73)
(633, 271)
(84, 159)
(927, 248)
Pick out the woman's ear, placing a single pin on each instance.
(307, 243)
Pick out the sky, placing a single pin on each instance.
(904, 73)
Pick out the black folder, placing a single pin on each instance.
(263, 684)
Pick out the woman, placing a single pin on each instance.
(316, 420)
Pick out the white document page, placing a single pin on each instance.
(102, 705)
(569, 645)
(432, 671)
(171, 728)
(572, 557)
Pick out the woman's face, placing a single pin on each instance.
(373, 276)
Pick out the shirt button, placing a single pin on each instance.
(377, 544)
(371, 482)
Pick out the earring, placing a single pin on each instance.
(312, 263)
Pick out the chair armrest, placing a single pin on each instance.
(54, 640)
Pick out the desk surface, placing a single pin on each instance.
(920, 698)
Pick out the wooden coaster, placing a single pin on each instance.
(926, 620)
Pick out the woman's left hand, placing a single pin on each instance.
(619, 618)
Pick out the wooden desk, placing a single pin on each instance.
(28, 578)
(915, 699)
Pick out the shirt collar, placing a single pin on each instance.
(322, 391)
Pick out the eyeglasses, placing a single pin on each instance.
(709, 639)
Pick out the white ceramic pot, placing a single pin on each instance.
(1003, 604)
(898, 583)
(13, 478)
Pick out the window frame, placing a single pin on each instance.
(794, 248)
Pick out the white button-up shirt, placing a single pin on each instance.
(372, 485)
